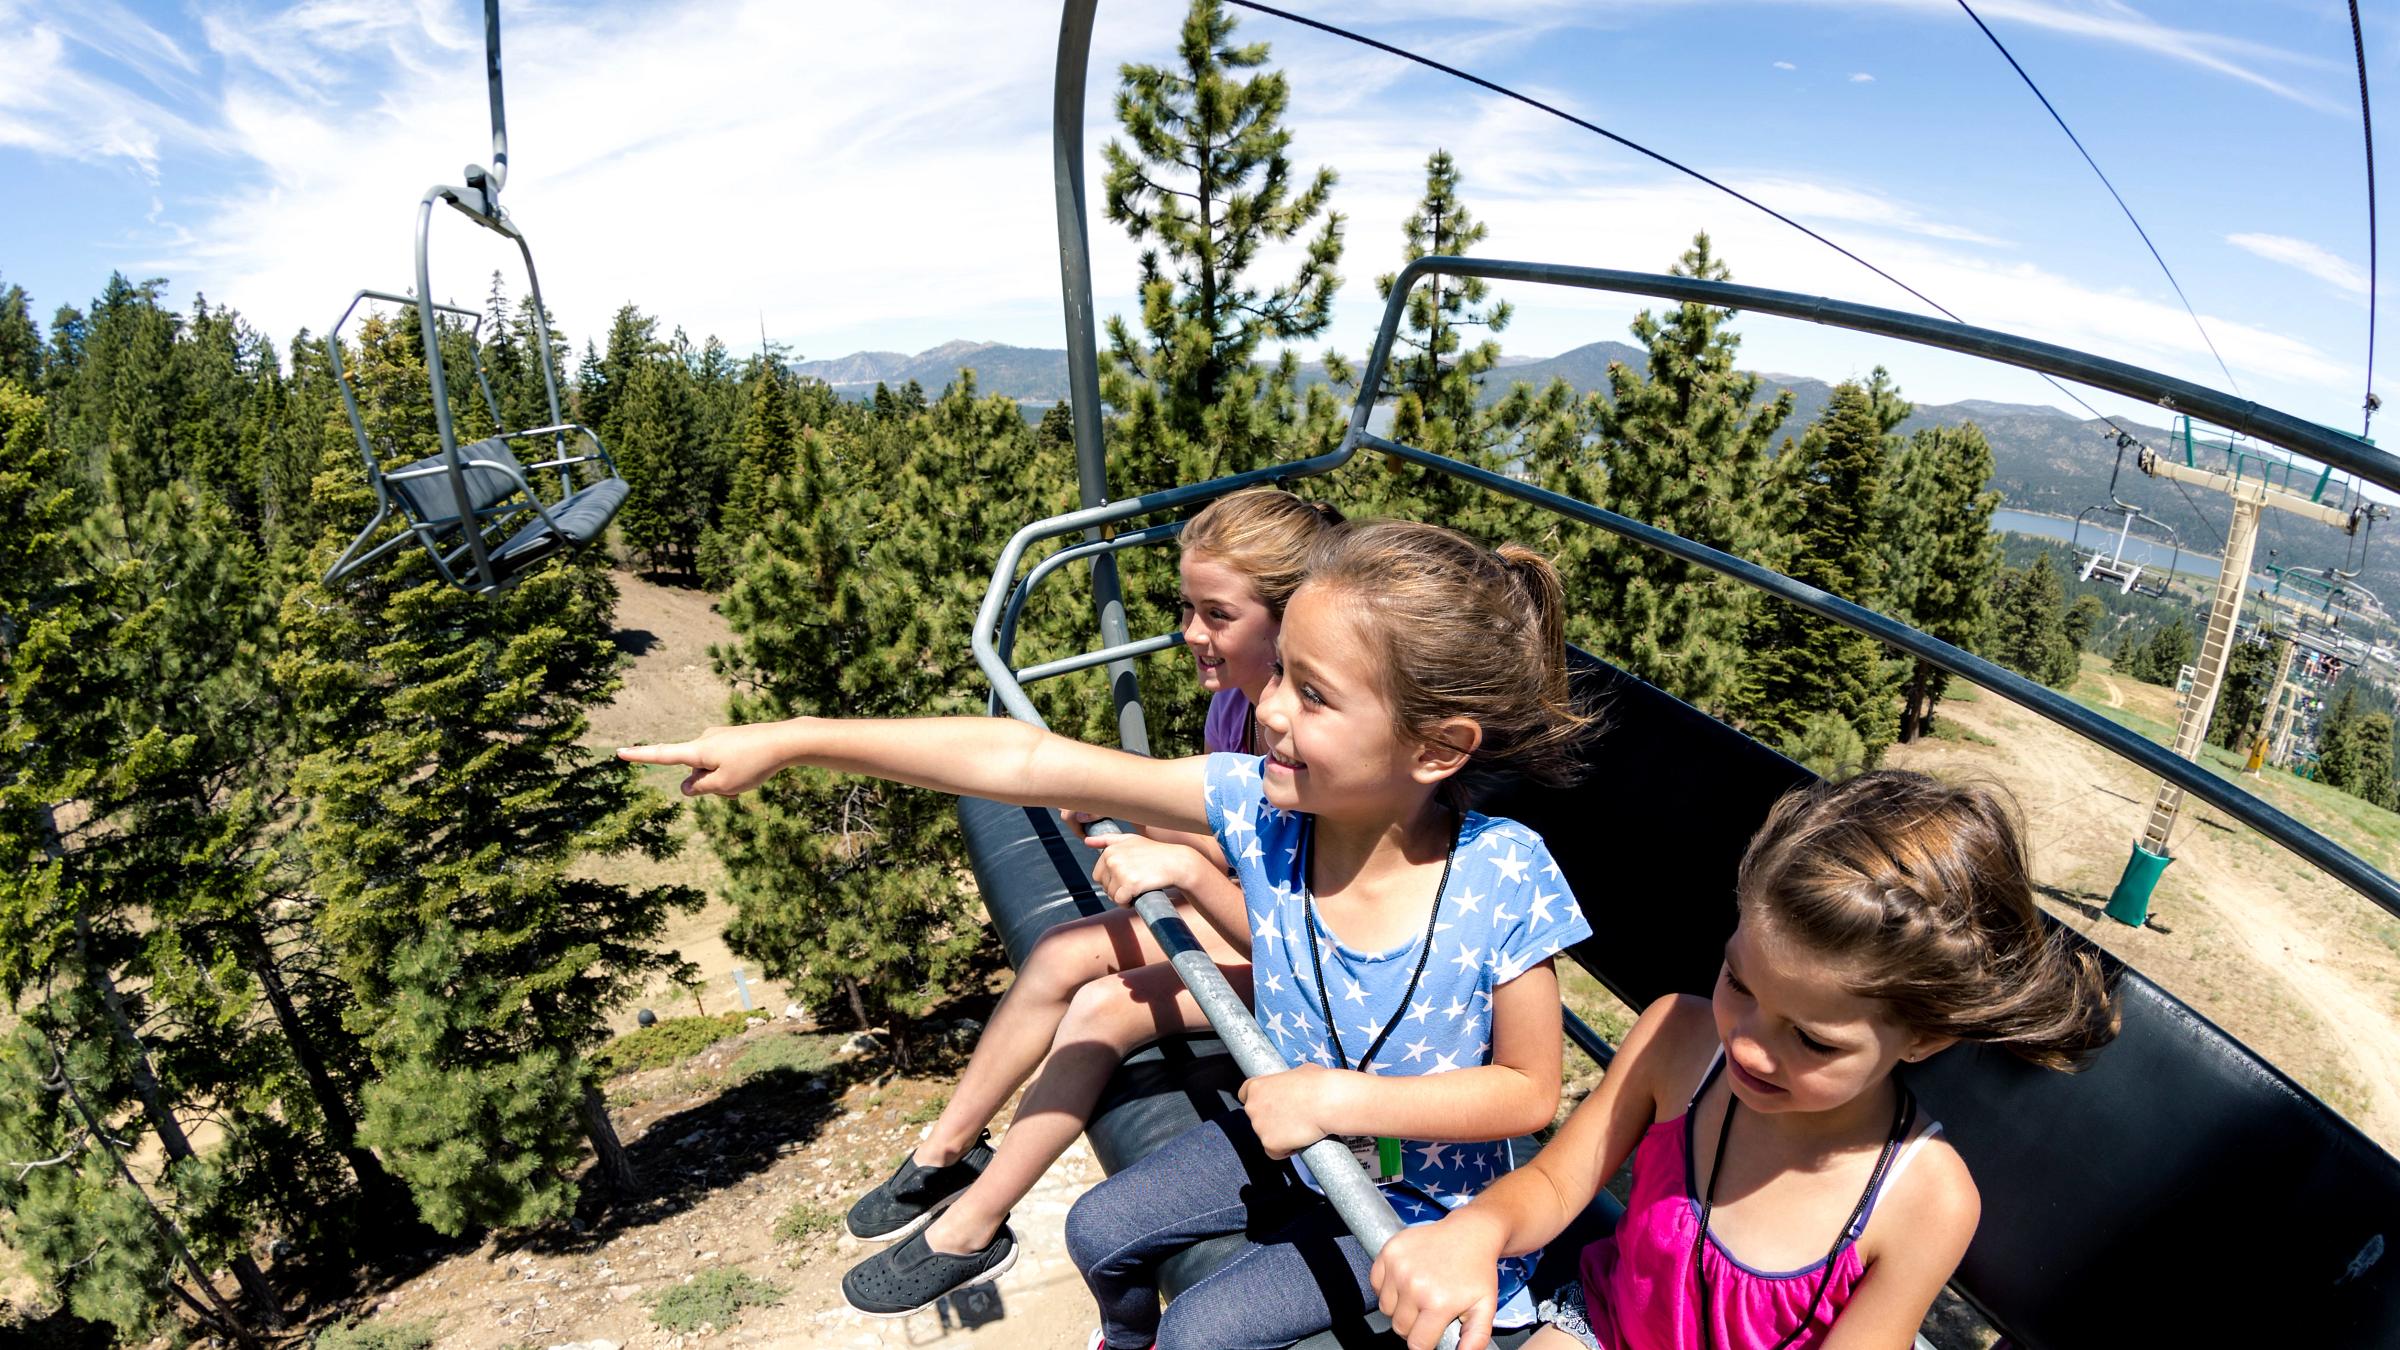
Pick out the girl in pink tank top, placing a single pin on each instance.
(1787, 1191)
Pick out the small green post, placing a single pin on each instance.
(2129, 904)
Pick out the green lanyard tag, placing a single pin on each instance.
(1380, 1157)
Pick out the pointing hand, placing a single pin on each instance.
(724, 761)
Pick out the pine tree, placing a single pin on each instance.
(2164, 656)
(1947, 562)
(117, 402)
(1800, 665)
(2372, 746)
(117, 799)
(2123, 657)
(2084, 618)
(658, 445)
(604, 378)
(1435, 378)
(20, 340)
(451, 807)
(761, 450)
(2340, 761)
(1683, 446)
(2242, 697)
(2029, 632)
(1203, 177)
(854, 598)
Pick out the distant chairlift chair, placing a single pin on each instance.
(473, 508)
(2106, 561)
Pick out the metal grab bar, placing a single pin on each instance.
(1354, 1195)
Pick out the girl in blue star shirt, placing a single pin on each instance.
(1401, 942)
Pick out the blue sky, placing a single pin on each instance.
(877, 175)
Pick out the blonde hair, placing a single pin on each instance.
(1921, 892)
(1463, 631)
(1263, 533)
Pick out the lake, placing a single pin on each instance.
(2102, 531)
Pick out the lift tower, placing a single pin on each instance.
(2255, 481)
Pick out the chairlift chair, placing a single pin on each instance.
(2104, 561)
(2106, 1193)
(475, 509)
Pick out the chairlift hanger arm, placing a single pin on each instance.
(2159, 466)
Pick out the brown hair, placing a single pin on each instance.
(1921, 892)
(1263, 533)
(1463, 631)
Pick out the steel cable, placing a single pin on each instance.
(1528, 100)
(2077, 141)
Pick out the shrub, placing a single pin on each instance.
(797, 1053)
(804, 1221)
(668, 1041)
(375, 1334)
(715, 1298)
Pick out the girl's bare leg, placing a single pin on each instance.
(1107, 1020)
(1014, 1042)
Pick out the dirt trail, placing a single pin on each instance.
(2252, 937)
(2116, 696)
(671, 692)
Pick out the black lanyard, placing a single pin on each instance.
(1901, 1113)
(1308, 909)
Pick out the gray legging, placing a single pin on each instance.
(1301, 1272)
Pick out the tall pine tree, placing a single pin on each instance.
(1684, 445)
(1435, 378)
(1800, 665)
(451, 806)
(854, 598)
(1204, 179)
(1948, 561)
(2029, 631)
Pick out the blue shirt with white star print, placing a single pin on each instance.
(1504, 910)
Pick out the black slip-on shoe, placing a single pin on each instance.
(909, 1196)
(910, 1277)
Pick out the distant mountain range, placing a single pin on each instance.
(2044, 460)
(1027, 374)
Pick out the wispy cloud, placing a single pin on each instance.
(2117, 24)
(2328, 267)
(1862, 77)
(52, 105)
(900, 195)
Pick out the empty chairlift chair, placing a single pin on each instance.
(478, 511)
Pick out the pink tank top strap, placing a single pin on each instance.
(1643, 1293)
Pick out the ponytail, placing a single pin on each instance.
(1464, 631)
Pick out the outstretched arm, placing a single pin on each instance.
(993, 757)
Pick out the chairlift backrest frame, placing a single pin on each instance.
(2107, 562)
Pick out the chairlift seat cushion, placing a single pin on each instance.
(2106, 1214)
(431, 498)
(581, 519)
